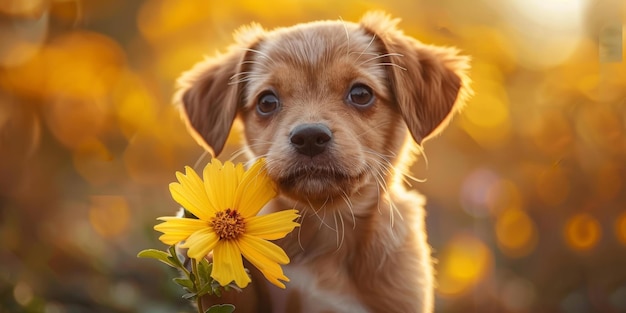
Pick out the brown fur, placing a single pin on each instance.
(362, 245)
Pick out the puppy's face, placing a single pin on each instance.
(316, 104)
(328, 104)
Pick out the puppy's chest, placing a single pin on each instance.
(314, 289)
(321, 273)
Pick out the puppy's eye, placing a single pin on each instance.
(268, 103)
(361, 96)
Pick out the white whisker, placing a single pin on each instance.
(201, 158)
(316, 213)
(384, 166)
(383, 56)
(372, 129)
(247, 73)
(348, 202)
(422, 153)
(367, 47)
(301, 221)
(391, 64)
(244, 77)
(365, 53)
(263, 54)
(336, 228)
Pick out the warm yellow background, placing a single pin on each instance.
(526, 189)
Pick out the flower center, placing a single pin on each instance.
(228, 224)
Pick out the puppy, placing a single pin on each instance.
(336, 109)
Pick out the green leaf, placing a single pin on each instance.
(189, 296)
(184, 282)
(174, 257)
(211, 287)
(217, 292)
(204, 271)
(221, 308)
(217, 288)
(158, 255)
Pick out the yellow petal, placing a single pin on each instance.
(201, 243)
(189, 192)
(228, 265)
(272, 226)
(269, 250)
(220, 182)
(265, 256)
(177, 229)
(240, 171)
(255, 190)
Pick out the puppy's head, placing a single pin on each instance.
(328, 104)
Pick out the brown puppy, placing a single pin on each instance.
(334, 107)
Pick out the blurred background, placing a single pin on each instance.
(526, 189)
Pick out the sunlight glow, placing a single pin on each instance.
(464, 263)
(516, 233)
(582, 232)
(549, 30)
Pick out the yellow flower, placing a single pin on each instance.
(226, 204)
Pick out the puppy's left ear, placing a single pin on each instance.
(429, 83)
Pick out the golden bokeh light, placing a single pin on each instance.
(487, 120)
(73, 121)
(582, 232)
(588, 84)
(288, 8)
(57, 71)
(560, 22)
(26, 8)
(160, 19)
(620, 228)
(579, 75)
(136, 107)
(516, 233)
(173, 60)
(109, 215)
(494, 49)
(601, 84)
(464, 262)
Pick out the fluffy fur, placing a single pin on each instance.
(362, 245)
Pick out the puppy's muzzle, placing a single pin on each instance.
(310, 139)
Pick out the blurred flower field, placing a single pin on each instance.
(526, 189)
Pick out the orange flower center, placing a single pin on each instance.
(228, 224)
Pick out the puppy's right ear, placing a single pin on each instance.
(206, 96)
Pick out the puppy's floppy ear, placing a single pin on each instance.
(208, 96)
(429, 83)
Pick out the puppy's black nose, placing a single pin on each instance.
(310, 139)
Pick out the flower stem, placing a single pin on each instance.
(196, 283)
